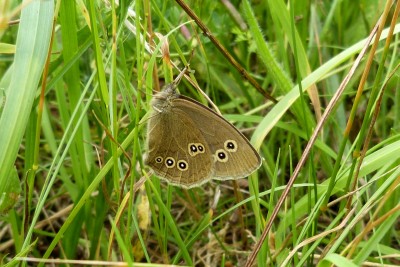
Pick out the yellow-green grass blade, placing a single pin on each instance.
(31, 51)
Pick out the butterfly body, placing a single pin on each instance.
(189, 144)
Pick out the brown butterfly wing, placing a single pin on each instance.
(233, 156)
(173, 136)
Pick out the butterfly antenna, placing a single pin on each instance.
(180, 75)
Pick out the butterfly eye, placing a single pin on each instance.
(182, 165)
(159, 159)
(231, 145)
(200, 147)
(221, 155)
(195, 148)
(192, 149)
(169, 162)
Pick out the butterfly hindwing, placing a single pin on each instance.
(233, 155)
(174, 142)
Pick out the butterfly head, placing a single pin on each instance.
(163, 100)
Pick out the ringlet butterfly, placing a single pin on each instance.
(189, 144)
